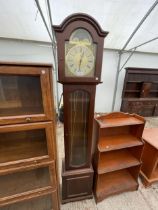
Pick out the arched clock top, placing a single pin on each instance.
(80, 42)
(78, 17)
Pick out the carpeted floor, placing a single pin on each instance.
(143, 199)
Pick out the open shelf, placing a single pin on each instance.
(115, 182)
(115, 142)
(116, 160)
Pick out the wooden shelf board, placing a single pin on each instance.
(116, 160)
(115, 182)
(114, 122)
(114, 142)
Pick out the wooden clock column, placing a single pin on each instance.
(80, 48)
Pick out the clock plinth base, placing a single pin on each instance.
(76, 184)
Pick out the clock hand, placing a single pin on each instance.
(81, 60)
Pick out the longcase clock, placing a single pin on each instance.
(80, 43)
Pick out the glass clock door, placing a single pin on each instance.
(78, 122)
(79, 112)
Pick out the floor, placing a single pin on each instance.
(143, 199)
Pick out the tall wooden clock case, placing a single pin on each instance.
(80, 43)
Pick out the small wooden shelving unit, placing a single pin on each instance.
(149, 170)
(117, 161)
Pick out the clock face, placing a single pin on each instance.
(80, 53)
(80, 60)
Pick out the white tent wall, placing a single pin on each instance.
(21, 51)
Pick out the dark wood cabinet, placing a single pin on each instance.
(117, 157)
(140, 92)
(28, 162)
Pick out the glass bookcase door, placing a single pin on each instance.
(20, 95)
(21, 182)
(23, 145)
(25, 94)
(79, 102)
(19, 145)
(40, 203)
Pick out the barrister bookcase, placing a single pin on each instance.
(117, 158)
(28, 159)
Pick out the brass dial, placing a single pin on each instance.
(80, 60)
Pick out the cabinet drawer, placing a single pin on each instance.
(27, 184)
(24, 94)
(22, 145)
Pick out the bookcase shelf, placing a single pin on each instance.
(115, 142)
(114, 183)
(116, 160)
(118, 152)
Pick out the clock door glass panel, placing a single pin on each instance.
(20, 145)
(80, 54)
(20, 95)
(79, 112)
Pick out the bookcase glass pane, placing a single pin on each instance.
(22, 145)
(79, 112)
(22, 182)
(41, 203)
(20, 95)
